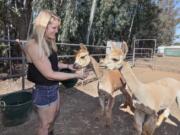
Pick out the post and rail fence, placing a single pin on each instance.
(9, 59)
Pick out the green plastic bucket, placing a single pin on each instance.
(15, 108)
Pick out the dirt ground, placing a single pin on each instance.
(78, 108)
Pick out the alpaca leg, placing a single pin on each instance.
(178, 99)
(163, 116)
(101, 110)
(149, 125)
(124, 93)
(128, 104)
(125, 104)
(108, 111)
(139, 117)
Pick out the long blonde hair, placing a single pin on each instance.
(39, 27)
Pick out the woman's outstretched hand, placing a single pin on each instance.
(82, 74)
(71, 67)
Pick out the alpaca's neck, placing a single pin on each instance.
(132, 81)
(96, 67)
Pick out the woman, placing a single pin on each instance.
(43, 69)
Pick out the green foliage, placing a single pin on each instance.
(38, 5)
(178, 44)
(113, 19)
(75, 16)
(167, 23)
(146, 21)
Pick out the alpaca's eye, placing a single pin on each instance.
(82, 57)
(115, 60)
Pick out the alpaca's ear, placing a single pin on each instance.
(124, 47)
(82, 46)
(113, 46)
(75, 52)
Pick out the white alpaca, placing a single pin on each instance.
(157, 95)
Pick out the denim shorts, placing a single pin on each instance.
(45, 95)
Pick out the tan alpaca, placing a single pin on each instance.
(108, 82)
(115, 58)
(157, 95)
(142, 111)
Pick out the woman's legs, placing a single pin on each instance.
(57, 106)
(46, 99)
(47, 116)
(56, 112)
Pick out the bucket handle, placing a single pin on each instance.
(2, 105)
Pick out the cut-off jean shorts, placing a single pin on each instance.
(43, 95)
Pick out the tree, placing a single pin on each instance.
(113, 19)
(168, 22)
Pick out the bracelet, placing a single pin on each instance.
(67, 66)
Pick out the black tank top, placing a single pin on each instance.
(35, 76)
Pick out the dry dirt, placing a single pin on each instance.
(78, 107)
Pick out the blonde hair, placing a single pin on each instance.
(39, 27)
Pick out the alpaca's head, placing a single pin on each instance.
(114, 59)
(82, 57)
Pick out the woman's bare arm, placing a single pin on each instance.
(62, 65)
(44, 66)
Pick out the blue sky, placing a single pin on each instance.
(177, 33)
(178, 26)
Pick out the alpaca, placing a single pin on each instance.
(148, 117)
(157, 96)
(109, 81)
